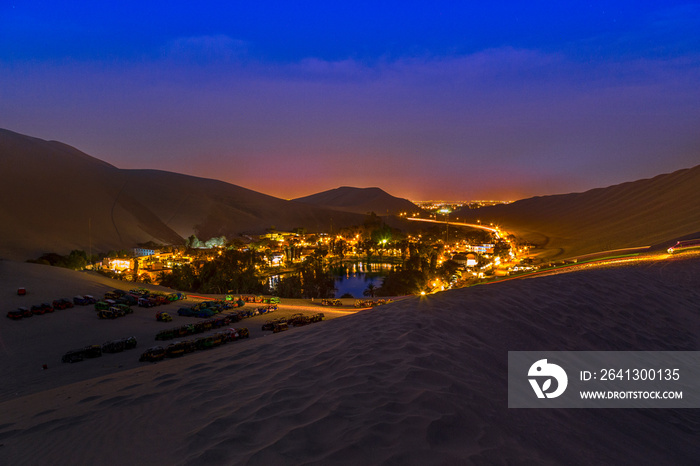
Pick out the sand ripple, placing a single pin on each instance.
(417, 382)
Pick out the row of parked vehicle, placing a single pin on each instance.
(371, 302)
(137, 297)
(113, 312)
(217, 308)
(331, 302)
(296, 320)
(192, 329)
(180, 348)
(95, 351)
(40, 309)
(207, 309)
(117, 303)
(256, 299)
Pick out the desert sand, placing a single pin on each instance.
(360, 201)
(41, 340)
(646, 212)
(421, 381)
(112, 208)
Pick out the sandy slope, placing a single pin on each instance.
(360, 200)
(28, 344)
(56, 199)
(638, 213)
(418, 382)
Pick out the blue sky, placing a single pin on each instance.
(426, 100)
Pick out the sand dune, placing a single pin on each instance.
(638, 213)
(210, 208)
(421, 381)
(360, 200)
(56, 199)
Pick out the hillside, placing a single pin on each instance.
(208, 208)
(360, 200)
(57, 198)
(638, 213)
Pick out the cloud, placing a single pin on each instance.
(517, 119)
(205, 49)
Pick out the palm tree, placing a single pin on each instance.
(370, 290)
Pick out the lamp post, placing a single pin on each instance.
(446, 212)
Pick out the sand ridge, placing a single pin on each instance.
(71, 200)
(637, 213)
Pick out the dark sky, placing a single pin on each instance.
(427, 100)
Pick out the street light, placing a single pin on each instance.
(446, 212)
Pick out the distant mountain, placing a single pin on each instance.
(360, 200)
(57, 198)
(638, 213)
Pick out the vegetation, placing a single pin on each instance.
(232, 271)
(312, 280)
(76, 260)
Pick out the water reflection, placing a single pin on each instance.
(352, 279)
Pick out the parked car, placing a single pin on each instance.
(92, 351)
(153, 354)
(163, 317)
(107, 314)
(237, 333)
(37, 310)
(21, 291)
(297, 319)
(280, 327)
(101, 306)
(205, 313)
(175, 297)
(62, 304)
(58, 304)
(74, 356)
(203, 343)
(14, 315)
(80, 300)
(130, 343)
(186, 312)
(147, 302)
(270, 324)
(90, 299)
(25, 312)
(165, 334)
(114, 346)
(173, 350)
(128, 299)
(47, 307)
(124, 308)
